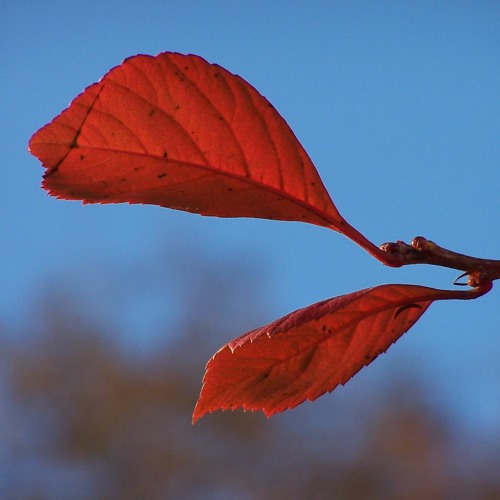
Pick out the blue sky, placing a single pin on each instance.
(397, 103)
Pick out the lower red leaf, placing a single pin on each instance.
(313, 350)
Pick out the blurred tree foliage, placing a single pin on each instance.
(83, 418)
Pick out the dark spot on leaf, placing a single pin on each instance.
(152, 111)
(165, 155)
(82, 157)
(324, 328)
(160, 176)
(229, 189)
(406, 306)
(266, 374)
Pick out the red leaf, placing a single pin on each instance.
(176, 131)
(313, 350)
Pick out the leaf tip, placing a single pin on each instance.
(196, 416)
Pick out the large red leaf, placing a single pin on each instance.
(176, 131)
(313, 350)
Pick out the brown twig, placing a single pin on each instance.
(424, 251)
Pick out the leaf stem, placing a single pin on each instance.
(389, 258)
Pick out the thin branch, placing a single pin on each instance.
(424, 251)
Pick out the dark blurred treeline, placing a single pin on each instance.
(82, 417)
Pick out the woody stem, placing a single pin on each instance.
(423, 251)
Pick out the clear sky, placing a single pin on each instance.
(397, 103)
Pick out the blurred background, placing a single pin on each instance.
(108, 314)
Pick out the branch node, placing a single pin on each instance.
(424, 251)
